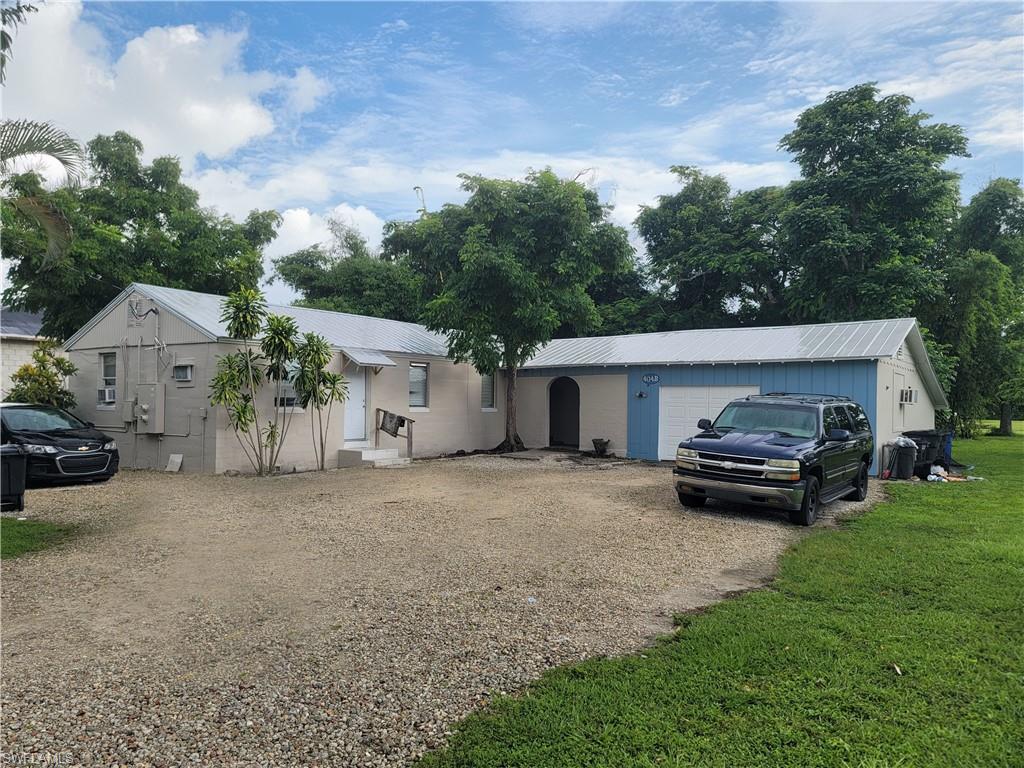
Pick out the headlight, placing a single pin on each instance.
(39, 448)
(111, 446)
(784, 463)
(686, 453)
(790, 475)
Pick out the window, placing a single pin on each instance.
(830, 421)
(418, 385)
(183, 373)
(860, 419)
(106, 393)
(289, 397)
(845, 422)
(487, 391)
(767, 417)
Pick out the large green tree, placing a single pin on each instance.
(871, 208)
(981, 316)
(717, 256)
(344, 275)
(509, 267)
(131, 222)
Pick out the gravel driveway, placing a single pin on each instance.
(347, 617)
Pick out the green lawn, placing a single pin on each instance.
(897, 640)
(20, 536)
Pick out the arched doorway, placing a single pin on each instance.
(564, 413)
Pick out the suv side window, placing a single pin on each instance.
(829, 420)
(859, 418)
(845, 422)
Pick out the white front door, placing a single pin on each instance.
(680, 408)
(355, 406)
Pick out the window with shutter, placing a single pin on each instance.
(487, 391)
(418, 385)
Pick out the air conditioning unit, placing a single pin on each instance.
(106, 395)
(908, 396)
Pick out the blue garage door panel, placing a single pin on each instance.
(854, 378)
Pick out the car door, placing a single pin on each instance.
(833, 455)
(863, 442)
(851, 450)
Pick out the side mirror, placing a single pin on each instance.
(837, 435)
(704, 424)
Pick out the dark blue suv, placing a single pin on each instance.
(789, 451)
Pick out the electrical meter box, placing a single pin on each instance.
(149, 410)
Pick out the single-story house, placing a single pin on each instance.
(146, 360)
(19, 337)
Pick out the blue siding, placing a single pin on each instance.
(854, 378)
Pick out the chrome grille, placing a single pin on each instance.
(86, 464)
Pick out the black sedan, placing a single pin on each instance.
(60, 448)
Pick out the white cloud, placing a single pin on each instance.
(1003, 130)
(680, 94)
(181, 91)
(305, 90)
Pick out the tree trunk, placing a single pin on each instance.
(512, 441)
(1005, 420)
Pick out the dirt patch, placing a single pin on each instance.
(346, 617)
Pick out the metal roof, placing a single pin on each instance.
(25, 324)
(863, 340)
(342, 330)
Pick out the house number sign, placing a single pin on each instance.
(651, 378)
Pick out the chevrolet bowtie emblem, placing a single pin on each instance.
(83, 448)
(728, 465)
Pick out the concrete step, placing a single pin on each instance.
(371, 454)
(369, 457)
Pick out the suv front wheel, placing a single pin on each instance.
(808, 511)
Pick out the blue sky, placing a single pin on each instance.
(321, 109)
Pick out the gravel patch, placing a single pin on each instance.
(347, 617)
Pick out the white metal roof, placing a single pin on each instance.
(863, 340)
(358, 333)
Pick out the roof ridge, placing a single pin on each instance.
(737, 328)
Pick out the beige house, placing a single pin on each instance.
(19, 337)
(146, 360)
(145, 363)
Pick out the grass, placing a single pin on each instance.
(897, 640)
(20, 536)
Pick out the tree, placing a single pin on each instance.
(872, 207)
(10, 17)
(717, 256)
(509, 267)
(345, 276)
(132, 222)
(241, 375)
(982, 318)
(42, 381)
(20, 139)
(318, 388)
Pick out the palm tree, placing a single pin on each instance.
(21, 139)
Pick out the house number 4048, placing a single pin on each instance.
(651, 378)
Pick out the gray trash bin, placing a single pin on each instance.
(12, 477)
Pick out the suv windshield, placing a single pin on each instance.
(787, 420)
(39, 418)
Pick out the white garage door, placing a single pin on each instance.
(679, 409)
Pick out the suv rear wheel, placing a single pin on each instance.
(860, 485)
(808, 511)
(689, 500)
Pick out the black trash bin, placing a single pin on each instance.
(12, 477)
(906, 456)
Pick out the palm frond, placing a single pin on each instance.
(52, 222)
(20, 138)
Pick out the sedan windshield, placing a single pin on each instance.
(39, 418)
(766, 417)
